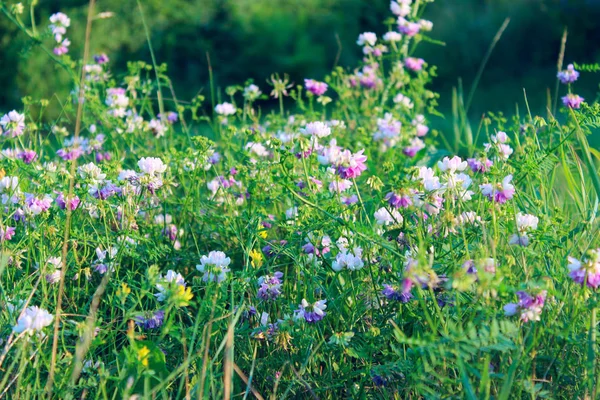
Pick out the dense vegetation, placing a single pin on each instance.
(333, 245)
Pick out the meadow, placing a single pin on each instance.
(282, 239)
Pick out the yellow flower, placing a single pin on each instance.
(262, 234)
(183, 296)
(125, 289)
(143, 355)
(257, 258)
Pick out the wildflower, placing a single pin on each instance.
(214, 266)
(150, 320)
(350, 260)
(157, 128)
(351, 165)
(398, 200)
(392, 293)
(252, 92)
(426, 25)
(413, 147)
(101, 58)
(525, 222)
(586, 271)
(270, 286)
(59, 23)
(169, 281)
(392, 37)
(569, 75)
(529, 306)
(152, 166)
(408, 28)
(501, 192)
(36, 205)
(280, 86)
(414, 64)
(316, 129)
(385, 217)
(403, 100)
(225, 109)
(6, 233)
(53, 265)
(480, 165)
(62, 48)
(315, 87)
(452, 165)
(311, 312)
(572, 101)
(367, 38)
(13, 124)
(91, 173)
(105, 259)
(32, 320)
(400, 8)
(118, 102)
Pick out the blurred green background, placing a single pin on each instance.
(254, 38)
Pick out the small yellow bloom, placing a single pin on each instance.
(125, 289)
(262, 234)
(257, 258)
(143, 355)
(184, 293)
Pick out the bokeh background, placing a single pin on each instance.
(254, 38)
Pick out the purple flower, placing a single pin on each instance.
(270, 286)
(529, 306)
(151, 320)
(586, 271)
(392, 293)
(27, 156)
(351, 165)
(481, 165)
(398, 200)
(569, 75)
(170, 232)
(311, 312)
(315, 87)
(101, 58)
(501, 192)
(572, 101)
(71, 203)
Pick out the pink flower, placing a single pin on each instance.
(414, 64)
(351, 165)
(569, 75)
(414, 147)
(315, 87)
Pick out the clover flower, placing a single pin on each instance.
(171, 280)
(385, 217)
(413, 147)
(402, 294)
(392, 37)
(569, 75)
(408, 28)
(105, 259)
(529, 306)
(397, 200)
(13, 124)
(37, 205)
(52, 269)
(252, 92)
(214, 266)
(480, 165)
(500, 192)
(117, 101)
(269, 286)
(311, 313)
(572, 101)
(225, 109)
(367, 38)
(316, 129)
(586, 271)
(400, 8)
(351, 165)
(414, 64)
(150, 320)
(32, 320)
(525, 223)
(6, 233)
(157, 128)
(315, 87)
(349, 260)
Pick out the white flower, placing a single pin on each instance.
(92, 173)
(400, 8)
(527, 222)
(392, 37)
(384, 217)
(340, 185)
(403, 100)
(251, 92)
(318, 129)
(152, 166)
(291, 213)
(367, 38)
(452, 164)
(225, 109)
(425, 25)
(157, 128)
(126, 174)
(33, 319)
(258, 149)
(351, 261)
(13, 123)
(214, 266)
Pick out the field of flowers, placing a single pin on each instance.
(331, 247)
